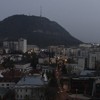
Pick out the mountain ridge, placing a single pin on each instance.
(37, 30)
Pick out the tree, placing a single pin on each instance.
(69, 69)
(31, 58)
(53, 81)
(34, 60)
(64, 70)
(8, 63)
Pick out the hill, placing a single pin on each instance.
(37, 30)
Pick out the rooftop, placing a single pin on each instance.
(79, 96)
(34, 80)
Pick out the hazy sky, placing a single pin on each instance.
(80, 17)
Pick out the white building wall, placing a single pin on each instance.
(5, 44)
(73, 68)
(97, 56)
(21, 92)
(43, 60)
(11, 45)
(34, 48)
(92, 61)
(86, 45)
(22, 45)
(9, 85)
(23, 67)
(81, 63)
(31, 92)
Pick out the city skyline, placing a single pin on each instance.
(79, 17)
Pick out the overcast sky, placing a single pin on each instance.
(80, 17)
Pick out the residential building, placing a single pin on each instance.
(58, 50)
(13, 45)
(22, 45)
(33, 48)
(83, 63)
(92, 61)
(24, 67)
(31, 87)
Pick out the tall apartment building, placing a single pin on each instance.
(92, 61)
(22, 45)
(11, 45)
(59, 50)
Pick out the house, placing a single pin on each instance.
(47, 69)
(72, 68)
(9, 78)
(7, 84)
(25, 67)
(43, 60)
(30, 87)
(33, 48)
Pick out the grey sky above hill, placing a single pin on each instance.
(80, 17)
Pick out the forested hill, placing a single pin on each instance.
(37, 30)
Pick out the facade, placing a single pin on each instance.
(78, 97)
(8, 85)
(4, 93)
(11, 45)
(86, 45)
(58, 50)
(96, 89)
(83, 63)
(92, 61)
(22, 45)
(72, 68)
(31, 87)
(23, 67)
(97, 56)
(33, 48)
(43, 60)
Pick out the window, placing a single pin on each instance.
(26, 95)
(7, 84)
(20, 90)
(17, 96)
(2, 84)
(17, 90)
(20, 96)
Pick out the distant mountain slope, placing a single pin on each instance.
(37, 30)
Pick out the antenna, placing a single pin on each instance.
(40, 11)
